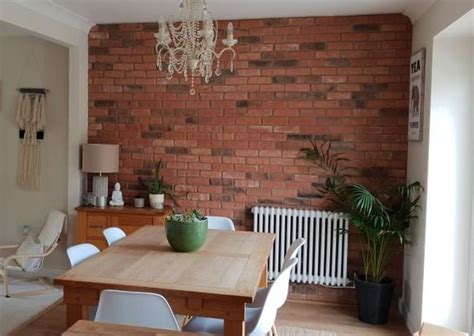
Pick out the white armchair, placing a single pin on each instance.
(31, 260)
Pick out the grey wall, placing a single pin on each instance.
(28, 61)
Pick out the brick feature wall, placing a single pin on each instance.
(235, 143)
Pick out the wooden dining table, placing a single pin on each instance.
(91, 328)
(215, 281)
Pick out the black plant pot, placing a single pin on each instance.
(374, 300)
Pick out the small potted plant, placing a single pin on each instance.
(382, 210)
(186, 232)
(157, 188)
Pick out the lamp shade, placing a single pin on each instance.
(100, 158)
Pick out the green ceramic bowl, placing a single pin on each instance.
(186, 236)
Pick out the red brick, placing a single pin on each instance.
(235, 143)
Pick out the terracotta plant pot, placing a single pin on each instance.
(185, 236)
(157, 200)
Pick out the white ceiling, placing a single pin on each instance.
(121, 11)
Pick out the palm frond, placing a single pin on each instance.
(382, 211)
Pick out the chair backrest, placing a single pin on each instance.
(282, 282)
(293, 251)
(220, 223)
(113, 235)
(273, 301)
(52, 229)
(81, 252)
(135, 309)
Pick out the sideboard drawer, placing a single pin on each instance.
(96, 224)
(91, 222)
(130, 220)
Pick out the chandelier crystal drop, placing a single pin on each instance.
(187, 44)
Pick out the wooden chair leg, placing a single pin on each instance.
(186, 319)
(274, 330)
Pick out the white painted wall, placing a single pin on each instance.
(438, 17)
(2, 135)
(75, 38)
(449, 198)
(471, 307)
(33, 62)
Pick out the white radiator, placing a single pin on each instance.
(323, 259)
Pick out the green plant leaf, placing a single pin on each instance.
(382, 211)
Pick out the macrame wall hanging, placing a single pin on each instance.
(31, 119)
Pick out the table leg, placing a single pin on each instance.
(234, 328)
(74, 313)
(264, 277)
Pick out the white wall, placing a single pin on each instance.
(437, 18)
(449, 197)
(29, 61)
(471, 307)
(51, 24)
(2, 135)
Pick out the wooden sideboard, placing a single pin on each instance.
(92, 221)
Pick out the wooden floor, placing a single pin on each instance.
(325, 317)
(340, 319)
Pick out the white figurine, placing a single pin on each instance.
(117, 198)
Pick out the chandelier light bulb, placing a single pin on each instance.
(230, 31)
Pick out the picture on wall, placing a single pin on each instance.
(417, 83)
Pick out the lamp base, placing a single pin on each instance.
(100, 189)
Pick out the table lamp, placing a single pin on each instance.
(101, 159)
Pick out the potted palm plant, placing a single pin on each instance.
(157, 188)
(381, 210)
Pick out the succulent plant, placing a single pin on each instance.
(192, 216)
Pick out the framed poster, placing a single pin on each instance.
(417, 84)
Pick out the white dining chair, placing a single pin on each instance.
(113, 235)
(263, 292)
(81, 252)
(293, 251)
(135, 309)
(220, 223)
(77, 254)
(258, 321)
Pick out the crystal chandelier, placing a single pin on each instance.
(187, 43)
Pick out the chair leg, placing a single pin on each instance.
(47, 289)
(274, 330)
(186, 319)
(5, 283)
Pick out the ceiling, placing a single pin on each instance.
(121, 11)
